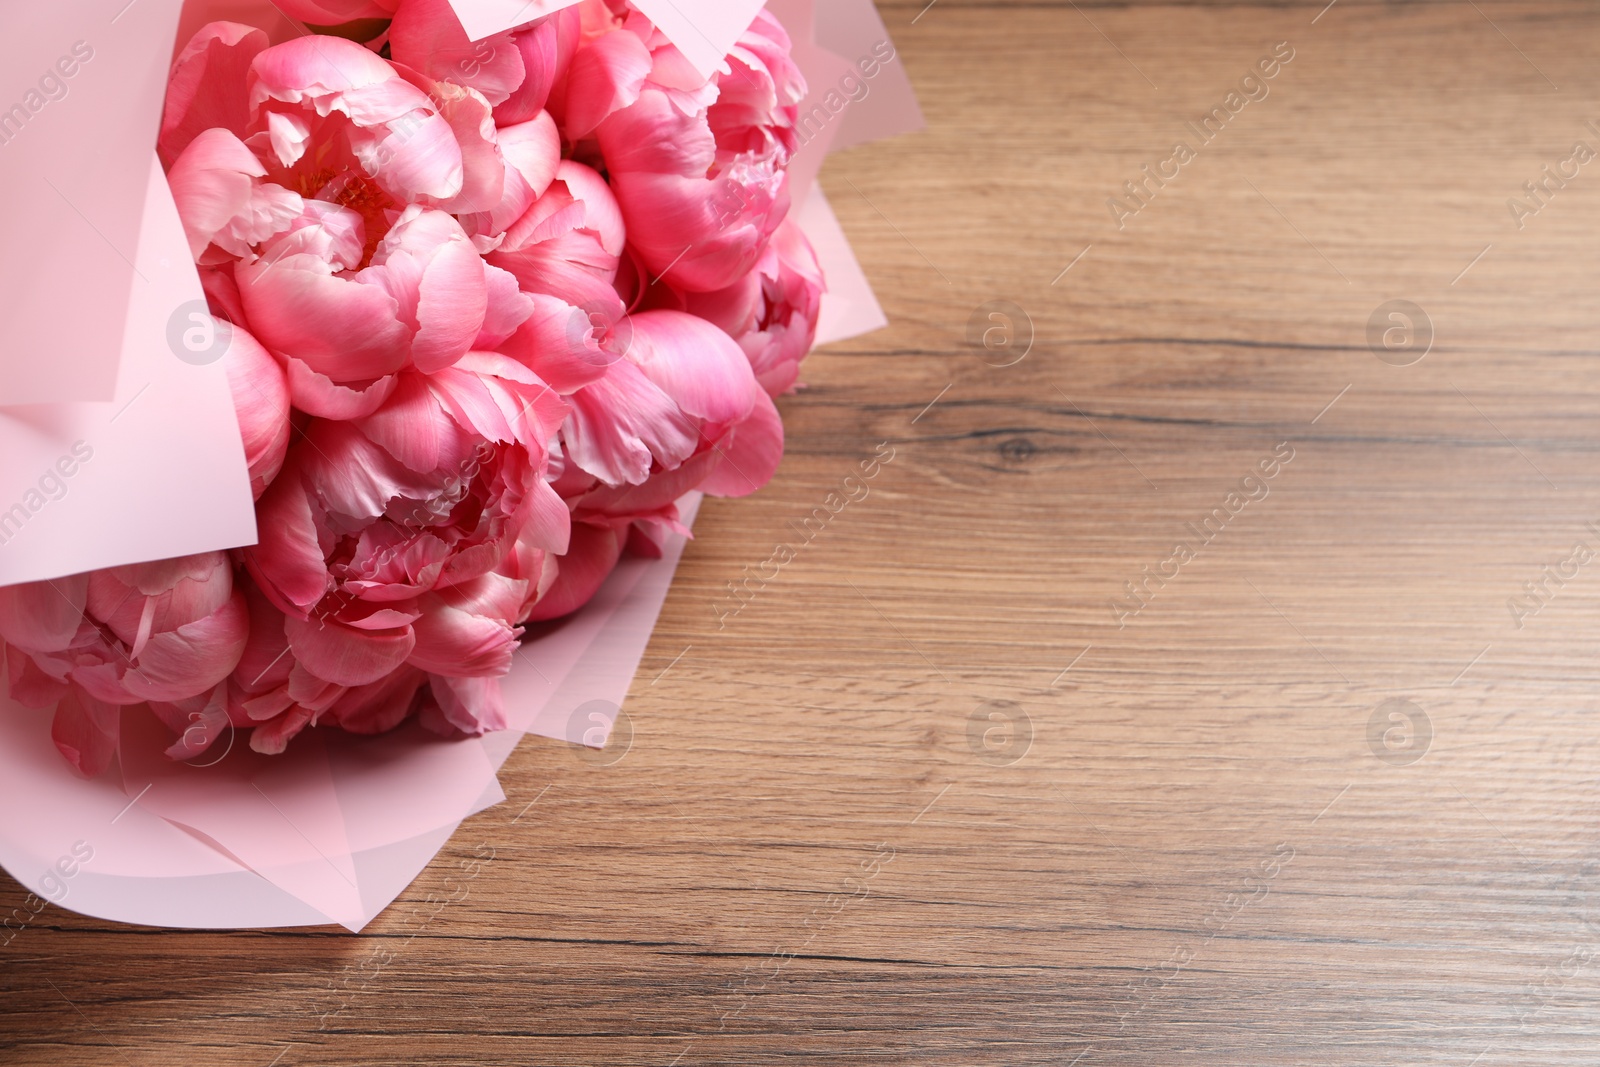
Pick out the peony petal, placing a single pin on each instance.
(355, 478)
(397, 134)
(199, 722)
(346, 656)
(703, 228)
(160, 595)
(316, 394)
(508, 308)
(701, 233)
(696, 364)
(264, 663)
(85, 731)
(264, 706)
(334, 12)
(43, 616)
(104, 681)
(289, 135)
(780, 329)
(547, 47)
(340, 328)
(488, 399)
(272, 737)
(483, 168)
(602, 210)
(471, 705)
(451, 304)
(655, 498)
(749, 454)
(393, 562)
(30, 685)
(206, 89)
(221, 199)
(427, 35)
(623, 424)
(329, 232)
(222, 292)
(408, 425)
(311, 692)
(378, 707)
(550, 523)
(165, 575)
(287, 562)
(261, 403)
(470, 631)
(534, 149)
(332, 74)
(191, 659)
(605, 76)
(593, 555)
(569, 242)
(569, 347)
(414, 157)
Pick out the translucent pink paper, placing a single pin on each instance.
(703, 30)
(334, 830)
(157, 471)
(857, 91)
(83, 90)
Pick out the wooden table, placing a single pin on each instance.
(931, 797)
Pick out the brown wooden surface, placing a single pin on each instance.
(1201, 859)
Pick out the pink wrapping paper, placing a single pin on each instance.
(157, 472)
(703, 30)
(857, 91)
(333, 831)
(484, 18)
(77, 126)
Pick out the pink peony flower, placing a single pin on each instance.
(771, 312)
(126, 635)
(385, 540)
(515, 71)
(680, 410)
(698, 167)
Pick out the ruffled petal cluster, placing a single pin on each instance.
(493, 307)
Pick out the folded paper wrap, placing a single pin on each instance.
(159, 470)
(77, 127)
(703, 30)
(336, 829)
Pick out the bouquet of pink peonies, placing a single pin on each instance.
(488, 310)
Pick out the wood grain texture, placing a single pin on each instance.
(819, 848)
